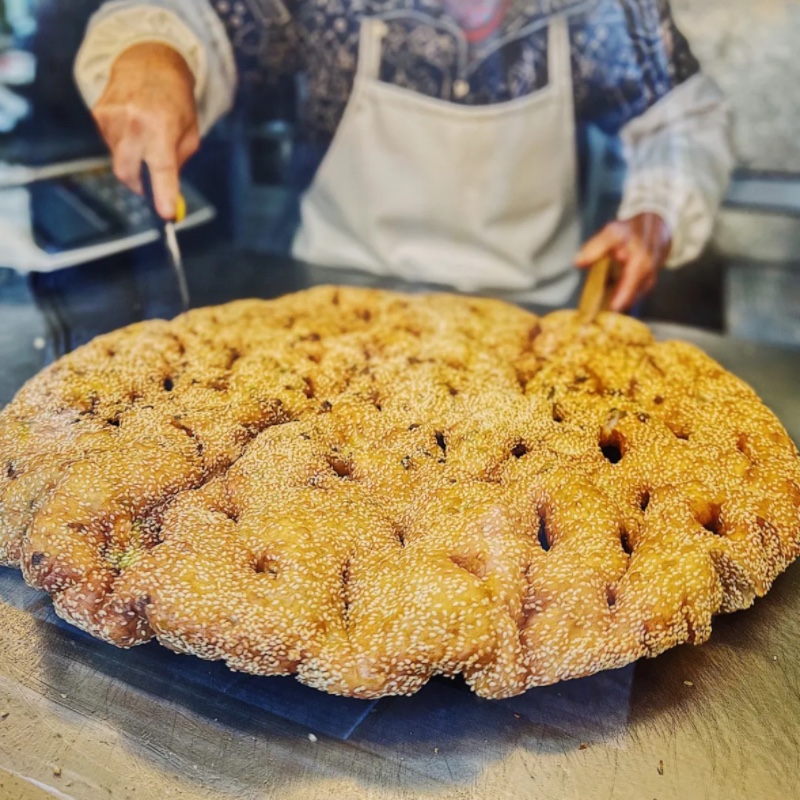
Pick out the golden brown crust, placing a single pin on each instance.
(365, 489)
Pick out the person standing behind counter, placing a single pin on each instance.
(438, 138)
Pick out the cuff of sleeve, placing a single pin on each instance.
(111, 36)
(678, 204)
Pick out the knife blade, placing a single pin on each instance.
(598, 289)
(169, 235)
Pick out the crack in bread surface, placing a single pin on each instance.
(366, 489)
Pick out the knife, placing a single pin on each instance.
(168, 234)
(598, 289)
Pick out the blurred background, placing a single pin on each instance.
(747, 283)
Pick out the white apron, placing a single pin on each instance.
(478, 198)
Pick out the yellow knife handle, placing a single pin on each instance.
(180, 209)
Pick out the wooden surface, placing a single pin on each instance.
(717, 721)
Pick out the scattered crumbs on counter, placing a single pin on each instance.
(57, 772)
(583, 746)
(661, 767)
(312, 738)
(688, 683)
(39, 343)
(63, 697)
(774, 658)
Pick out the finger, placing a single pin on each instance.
(622, 253)
(161, 155)
(108, 127)
(649, 285)
(166, 184)
(634, 275)
(127, 163)
(118, 121)
(600, 245)
(188, 146)
(113, 122)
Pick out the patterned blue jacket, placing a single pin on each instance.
(626, 54)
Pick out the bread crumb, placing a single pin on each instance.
(312, 738)
(661, 767)
(583, 746)
(688, 683)
(57, 772)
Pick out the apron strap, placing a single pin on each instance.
(559, 56)
(370, 48)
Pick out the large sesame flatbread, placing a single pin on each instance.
(366, 489)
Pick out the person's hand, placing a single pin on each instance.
(147, 113)
(640, 245)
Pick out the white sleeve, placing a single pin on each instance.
(189, 26)
(680, 160)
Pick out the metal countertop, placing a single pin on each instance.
(85, 720)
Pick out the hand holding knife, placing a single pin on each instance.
(168, 234)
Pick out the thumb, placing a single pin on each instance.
(601, 244)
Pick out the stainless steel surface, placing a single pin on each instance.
(717, 721)
(762, 301)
